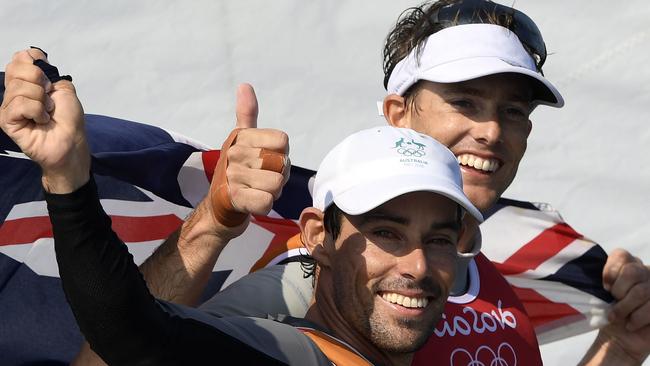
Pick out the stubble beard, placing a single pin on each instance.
(400, 335)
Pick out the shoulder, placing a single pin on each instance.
(282, 287)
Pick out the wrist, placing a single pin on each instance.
(203, 223)
(606, 350)
(64, 183)
(70, 173)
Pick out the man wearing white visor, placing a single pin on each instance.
(472, 86)
(469, 73)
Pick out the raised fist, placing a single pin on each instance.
(46, 121)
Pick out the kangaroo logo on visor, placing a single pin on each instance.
(410, 148)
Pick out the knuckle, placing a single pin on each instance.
(635, 292)
(282, 138)
(234, 152)
(277, 181)
(621, 254)
(247, 134)
(11, 91)
(35, 74)
(267, 201)
(234, 173)
(640, 317)
(20, 100)
(18, 55)
(642, 291)
(276, 192)
(9, 69)
(618, 311)
(13, 84)
(633, 272)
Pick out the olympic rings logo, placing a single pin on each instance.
(505, 353)
(407, 151)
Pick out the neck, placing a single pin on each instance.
(324, 312)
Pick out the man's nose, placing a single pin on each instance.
(413, 265)
(488, 131)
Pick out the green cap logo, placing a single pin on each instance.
(410, 148)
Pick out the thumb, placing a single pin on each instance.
(246, 109)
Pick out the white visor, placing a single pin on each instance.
(467, 52)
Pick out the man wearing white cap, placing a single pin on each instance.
(469, 73)
(384, 239)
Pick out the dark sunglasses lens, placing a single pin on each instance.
(482, 11)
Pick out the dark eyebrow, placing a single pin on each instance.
(463, 89)
(381, 215)
(519, 98)
(468, 90)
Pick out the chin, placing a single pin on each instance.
(402, 335)
(403, 343)
(482, 198)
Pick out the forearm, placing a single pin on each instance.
(180, 268)
(102, 284)
(124, 324)
(606, 351)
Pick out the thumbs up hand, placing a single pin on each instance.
(252, 169)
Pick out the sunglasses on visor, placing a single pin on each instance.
(485, 11)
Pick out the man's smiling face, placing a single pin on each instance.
(391, 269)
(483, 121)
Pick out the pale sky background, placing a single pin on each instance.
(316, 67)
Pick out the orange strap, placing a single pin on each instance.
(273, 161)
(337, 352)
(222, 208)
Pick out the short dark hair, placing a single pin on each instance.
(332, 222)
(415, 25)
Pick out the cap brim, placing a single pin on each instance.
(472, 68)
(364, 198)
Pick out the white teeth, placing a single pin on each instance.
(486, 165)
(405, 301)
(470, 160)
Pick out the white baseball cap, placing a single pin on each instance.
(470, 51)
(373, 166)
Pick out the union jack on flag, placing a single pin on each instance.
(149, 179)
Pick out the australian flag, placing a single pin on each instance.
(149, 179)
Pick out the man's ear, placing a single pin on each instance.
(313, 234)
(468, 230)
(395, 110)
(530, 127)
